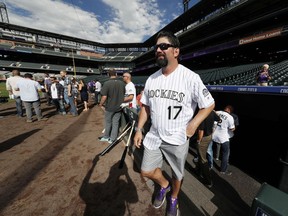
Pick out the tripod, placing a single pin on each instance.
(129, 127)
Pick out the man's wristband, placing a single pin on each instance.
(139, 129)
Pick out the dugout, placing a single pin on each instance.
(259, 146)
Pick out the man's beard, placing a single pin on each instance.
(162, 62)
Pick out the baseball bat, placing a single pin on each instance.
(118, 139)
(126, 146)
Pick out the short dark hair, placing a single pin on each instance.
(171, 37)
(16, 72)
(230, 107)
(111, 73)
(28, 75)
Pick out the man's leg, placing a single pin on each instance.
(150, 168)
(61, 106)
(28, 108)
(176, 186)
(156, 176)
(108, 124)
(225, 151)
(204, 167)
(115, 125)
(56, 104)
(210, 154)
(218, 151)
(19, 108)
(36, 106)
(73, 109)
(96, 97)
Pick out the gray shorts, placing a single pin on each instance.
(174, 154)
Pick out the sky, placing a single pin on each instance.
(104, 21)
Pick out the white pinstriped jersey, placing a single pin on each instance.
(221, 133)
(173, 100)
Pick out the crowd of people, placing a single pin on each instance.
(64, 93)
(174, 99)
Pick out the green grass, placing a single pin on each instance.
(3, 91)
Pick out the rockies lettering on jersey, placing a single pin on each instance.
(168, 94)
(172, 101)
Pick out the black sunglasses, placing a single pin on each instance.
(163, 46)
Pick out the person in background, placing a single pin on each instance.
(68, 96)
(171, 96)
(98, 87)
(91, 86)
(75, 91)
(47, 84)
(138, 100)
(263, 76)
(221, 136)
(56, 90)
(130, 92)
(112, 96)
(15, 94)
(83, 89)
(29, 93)
(230, 110)
(204, 137)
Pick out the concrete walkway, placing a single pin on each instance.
(230, 195)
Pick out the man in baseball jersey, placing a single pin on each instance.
(130, 91)
(222, 135)
(171, 96)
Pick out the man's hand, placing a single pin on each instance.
(138, 138)
(190, 131)
(102, 107)
(124, 105)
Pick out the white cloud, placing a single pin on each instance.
(132, 20)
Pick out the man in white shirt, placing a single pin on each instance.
(29, 93)
(170, 99)
(130, 92)
(15, 94)
(221, 135)
(98, 87)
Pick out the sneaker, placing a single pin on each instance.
(226, 173)
(110, 141)
(173, 208)
(43, 119)
(29, 120)
(103, 139)
(161, 197)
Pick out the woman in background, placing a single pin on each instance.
(263, 76)
(84, 93)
